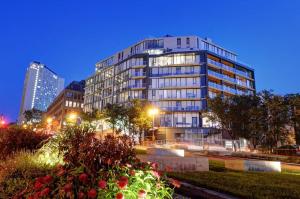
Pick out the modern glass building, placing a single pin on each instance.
(41, 86)
(176, 74)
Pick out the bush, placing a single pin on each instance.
(95, 168)
(116, 182)
(80, 147)
(13, 140)
(18, 171)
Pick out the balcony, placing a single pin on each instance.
(220, 65)
(229, 89)
(138, 74)
(179, 108)
(175, 74)
(221, 76)
(215, 85)
(137, 86)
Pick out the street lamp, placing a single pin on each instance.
(49, 120)
(152, 112)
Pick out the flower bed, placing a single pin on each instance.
(94, 168)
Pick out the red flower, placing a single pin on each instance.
(119, 196)
(123, 178)
(30, 197)
(68, 187)
(40, 179)
(102, 184)
(175, 183)
(123, 181)
(47, 179)
(83, 177)
(142, 194)
(38, 185)
(132, 172)
(92, 193)
(80, 195)
(168, 168)
(45, 192)
(122, 184)
(37, 194)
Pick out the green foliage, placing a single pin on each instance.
(261, 118)
(18, 171)
(13, 140)
(244, 184)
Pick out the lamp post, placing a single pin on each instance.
(152, 112)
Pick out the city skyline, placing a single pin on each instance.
(76, 42)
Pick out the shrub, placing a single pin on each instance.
(18, 171)
(80, 147)
(116, 182)
(17, 139)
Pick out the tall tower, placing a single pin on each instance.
(41, 86)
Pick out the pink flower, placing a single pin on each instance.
(154, 165)
(155, 174)
(83, 178)
(45, 192)
(142, 194)
(123, 178)
(68, 187)
(38, 185)
(92, 193)
(119, 196)
(102, 184)
(47, 179)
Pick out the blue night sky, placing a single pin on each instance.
(71, 36)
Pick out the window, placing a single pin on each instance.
(178, 42)
(187, 42)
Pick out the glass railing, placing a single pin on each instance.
(175, 73)
(242, 83)
(215, 85)
(229, 89)
(179, 108)
(242, 73)
(225, 77)
(137, 86)
(220, 65)
(137, 74)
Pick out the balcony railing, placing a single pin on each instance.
(215, 85)
(225, 77)
(137, 86)
(229, 89)
(179, 108)
(137, 74)
(176, 73)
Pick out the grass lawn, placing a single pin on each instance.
(245, 184)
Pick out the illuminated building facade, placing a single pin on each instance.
(176, 74)
(41, 86)
(70, 100)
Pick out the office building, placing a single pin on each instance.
(70, 100)
(175, 74)
(41, 86)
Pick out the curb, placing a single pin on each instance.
(194, 192)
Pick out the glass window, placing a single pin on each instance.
(178, 42)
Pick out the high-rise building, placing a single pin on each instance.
(41, 86)
(176, 74)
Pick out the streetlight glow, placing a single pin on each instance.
(153, 111)
(49, 120)
(72, 116)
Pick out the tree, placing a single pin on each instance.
(277, 119)
(138, 119)
(33, 116)
(293, 101)
(115, 115)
